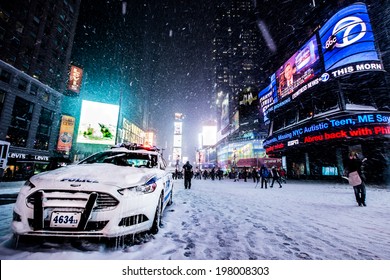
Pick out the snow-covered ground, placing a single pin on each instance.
(226, 220)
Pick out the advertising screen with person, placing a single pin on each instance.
(302, 67)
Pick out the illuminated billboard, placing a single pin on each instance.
(177, 140)
(268, 97)
(178, 128)
(98, 123)
(179, 116)
(209, 134)
(75, 77)
(347, 38)
(225, 112)
(65, 137)
(347, 44)
(302, 67)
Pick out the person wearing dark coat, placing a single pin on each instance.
(275, 177)
(264, 174)
(188, 173)
(355, 164)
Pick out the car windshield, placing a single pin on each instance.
(123, 159)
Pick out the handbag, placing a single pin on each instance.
(354, 179)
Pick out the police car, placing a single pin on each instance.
(113, 193)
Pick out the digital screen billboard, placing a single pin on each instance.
(348, 38)
(177, 140)
(268, 97)
(178, 128)
(209, 135)
(225, 112)
(98, 123)
(302, 67)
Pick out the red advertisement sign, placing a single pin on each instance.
(75, 76)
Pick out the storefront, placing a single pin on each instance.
(318, 149)
(22, 166)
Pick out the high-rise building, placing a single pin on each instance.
(36, 39)
(235, 56)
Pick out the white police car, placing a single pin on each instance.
(110, 194)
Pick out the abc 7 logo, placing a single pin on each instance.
(345, 27)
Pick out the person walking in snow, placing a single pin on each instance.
(264, 174)
(188, 173)
(275, 177)
(354, 171)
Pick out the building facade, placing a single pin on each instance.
(237, 74)
(338, 101)
(36, 40)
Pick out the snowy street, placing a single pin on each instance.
(226, 220)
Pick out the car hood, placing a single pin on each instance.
(102, 173)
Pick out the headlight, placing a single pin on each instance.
(148, 187)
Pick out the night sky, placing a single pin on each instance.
(166, 49)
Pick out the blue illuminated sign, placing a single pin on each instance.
(348, 38)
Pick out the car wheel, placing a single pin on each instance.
(170, 201)
(157, 217)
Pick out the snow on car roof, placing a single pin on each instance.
(125, 150)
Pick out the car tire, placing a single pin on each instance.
(170, 201)
(157, 217)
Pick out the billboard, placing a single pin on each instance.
(268, 97)
(347, 46)
(302, 67)
(209, 135)
(65, 137)
(98, 123)
(177, 140)
(75, 77)
(225, 112)
(179, 116)
(348, 38)
(178, 128)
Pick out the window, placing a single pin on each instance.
(2, 99)
(22, 85)
(325, 102)
(290, 117)
(20, 123)
(5, 76)
(278, 123)
(359, 99)
(34, 89)
(44, 129)
(46, 96)
(305, 110)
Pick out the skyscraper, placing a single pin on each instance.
(36, 39)
(235, 55)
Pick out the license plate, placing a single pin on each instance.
(65, 219)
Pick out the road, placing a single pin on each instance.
(225, 220)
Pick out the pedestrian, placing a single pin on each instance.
(188, 173)
(355, 178)
(254, 175)
(282, 173)
(264, 174)
(275, 177)
(244, 174)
